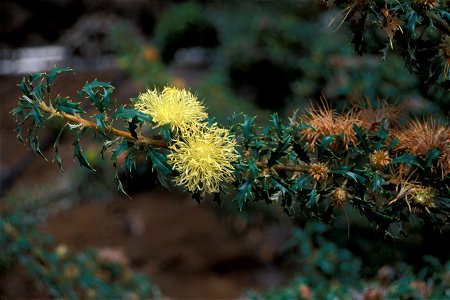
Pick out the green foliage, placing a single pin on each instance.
(294, 164)
(64, 274)
(325, 270)
(418, 30)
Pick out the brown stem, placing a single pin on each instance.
(114, 131)
(287, 168)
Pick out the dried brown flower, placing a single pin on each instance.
(326, 122)
(420, 137)
(391, 24)
(371, 117)
(416, 196)
(338, 197)
(380, 158)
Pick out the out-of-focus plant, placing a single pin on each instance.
(418, 29)
(317, 162)
(60, 272)
(325, 270)
(183, 26)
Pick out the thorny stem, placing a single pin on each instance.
(114, 131)
(153, 142)
(158, 143)
(287, 168)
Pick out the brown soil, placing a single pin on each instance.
(185, 248)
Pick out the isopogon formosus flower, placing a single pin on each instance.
(203, 157)
(177, 108)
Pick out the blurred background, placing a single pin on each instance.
(256, 57)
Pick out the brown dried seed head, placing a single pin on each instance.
(339, 197)
(319, 171)
(380, 158)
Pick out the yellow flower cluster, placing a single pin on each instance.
(175, 107)
(201, 154)
(204, 158)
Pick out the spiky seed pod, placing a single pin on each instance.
(319, 171)
(339, 197)
(380, 158)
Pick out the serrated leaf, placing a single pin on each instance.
(300, 183)
(253, 168)
(247, 127)
(100, 121)
(347, 171)
(243, 193)
(362, 137)
(25, 87)
(412, 21)
(281, 185)
(100, 101)
(33, 141)
(406, 159)
(159, 161)
(313, 200)
(165, 132)
(128, 114)
(378, 181)
(38, 91)
(119, 182)
(56, 71)
(123, 146)
(67, 106)
(279, 151)
(36, 114)
(432, 155)
(56, 156)
(276, 123)
(78, 153)
(301, 152)
(324, 145)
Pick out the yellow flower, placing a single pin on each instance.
(203, 157)
(175, 107)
